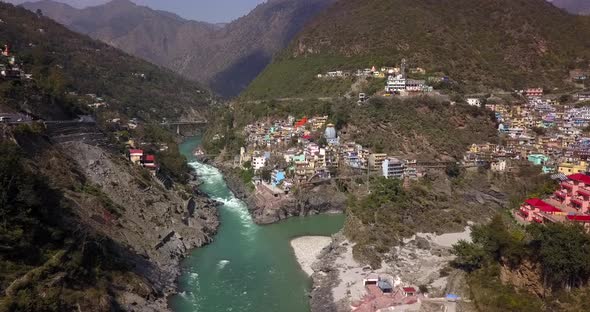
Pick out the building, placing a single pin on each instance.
(135, 156)
(474, 101)
(277, 177)
(537, 159)
(395, 84)
(583, 96)
(415, 85)
(534, 92)
(258, 162)
(537, 210)
(330, 135)
(568, 168)
(149, 162)
(393, 168)
(499, 165)
(376, 161)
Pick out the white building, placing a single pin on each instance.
(499, 165)
(393, 168)
(474, 102)
(258, 162)
(395, 84)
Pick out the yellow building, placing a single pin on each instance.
(571, 168)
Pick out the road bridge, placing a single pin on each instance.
(184, 123)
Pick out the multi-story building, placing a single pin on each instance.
(568, 168)
(258, 162)
(393, 168)
(376, 161)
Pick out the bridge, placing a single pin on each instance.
(184, 123)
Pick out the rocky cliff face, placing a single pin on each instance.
(527, 276)
(308, 201)
(154, 227)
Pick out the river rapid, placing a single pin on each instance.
(248, 267)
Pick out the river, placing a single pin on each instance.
(248, 267)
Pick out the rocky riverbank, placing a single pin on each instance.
(312, 200)
(422, 260)
(155, 227)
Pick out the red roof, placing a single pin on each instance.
(306, 137)
(151, 158)
(135, 152)
(559, 194)
(580, 177)
(409, 289)
(301, 122)
(584, 192)
(541, 205)
(580, 218)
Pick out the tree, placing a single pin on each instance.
(265, 174)
(470, 257)
(563, 251)
(453, 170)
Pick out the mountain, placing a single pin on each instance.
(574, 6)
(488, 43)
(226, 57)
(86, 66)
(82, 228)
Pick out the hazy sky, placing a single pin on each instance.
(213, 11)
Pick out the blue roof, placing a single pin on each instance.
(452, 296)
(384, 285)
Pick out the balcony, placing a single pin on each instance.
(560, 195)
(584, 192)
(576, 203)
(567, 185)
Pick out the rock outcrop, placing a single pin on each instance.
(155, 227)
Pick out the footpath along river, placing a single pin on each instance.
(248, 267)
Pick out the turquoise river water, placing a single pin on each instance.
(248, 268)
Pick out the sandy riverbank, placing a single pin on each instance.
(307, 249)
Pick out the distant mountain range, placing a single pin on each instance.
(574, 6)
(227, 57)
(482, 44)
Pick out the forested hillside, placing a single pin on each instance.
(508, 44)
(82, 228)
(225, 58)
(68, 62)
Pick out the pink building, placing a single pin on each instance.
(536, 210)
(578, 192)
(572, 201)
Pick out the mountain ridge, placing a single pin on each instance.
(573, 6)
(225, 58)
(499, 44)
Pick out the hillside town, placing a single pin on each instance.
(10, 67)
(288, 153)
(396, 79)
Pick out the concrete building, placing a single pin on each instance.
(330, 135)
(474, 101)
(135, 156)
(258, 162)
(393, 168)
(568, 168)
(376, 161)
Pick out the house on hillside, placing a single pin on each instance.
(135, 156)
(258, 162)
(583, 96)
(473, 101)
(534, 92)
(393, 168)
